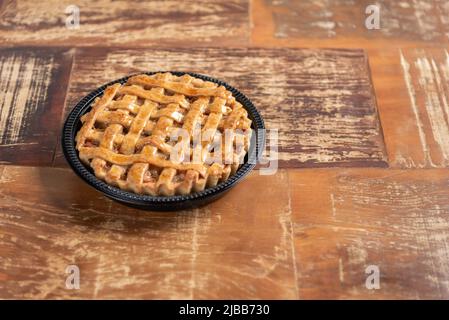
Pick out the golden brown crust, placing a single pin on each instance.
(125, 136)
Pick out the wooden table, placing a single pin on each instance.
(363, 120)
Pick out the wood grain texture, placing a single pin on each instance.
(238, 247)
(33, 84)
(348, 219)
(321, 101)
(130, 23)
(341, 23)
(306, 233)
(413, 97)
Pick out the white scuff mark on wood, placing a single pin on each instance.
(341, 274)
(433, 108)
(108, 21)
(427, 23)
(18, 144)
(435, 102)
(326, 26)
(412, 95)
(357, 254)
(333, 205)
(199, 224)
(109, 206)
(403, 4)
(23, 88)
(98, 285)
(289, 234)
(194, 253)
(112, 224)
(413, 19)
(21, 100)
(404, 162)
(435, 254)
(10, 72)
(281, 255)
(284, 250)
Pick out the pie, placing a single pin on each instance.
(133, 131)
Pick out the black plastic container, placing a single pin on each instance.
(159, 203)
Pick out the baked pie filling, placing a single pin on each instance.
(164, 135)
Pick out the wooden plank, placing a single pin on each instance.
(341, 23)
(126, 23)
(321, 101)
(33, 85)
(238, 247)
(413, 97)
(348, 219)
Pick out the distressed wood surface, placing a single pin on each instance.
(346, 220)
(310, 234)
(302, 233)
(412, 87)
(130, 23)
(238, 247)
(321, 101)
(33, 84)
(341, 23)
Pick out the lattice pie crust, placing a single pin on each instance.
(127, 137)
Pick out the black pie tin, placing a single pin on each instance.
(160, 203)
